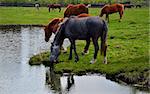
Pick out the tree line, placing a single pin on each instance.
(70, 1)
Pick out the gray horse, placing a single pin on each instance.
(85, 28)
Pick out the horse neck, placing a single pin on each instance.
(59, 38)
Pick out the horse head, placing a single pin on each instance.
(52, 28)
(55, 51)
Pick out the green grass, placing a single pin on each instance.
(128, 43)
(26, 15)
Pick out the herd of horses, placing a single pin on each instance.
(78, 24)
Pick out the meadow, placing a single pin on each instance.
(128, 44)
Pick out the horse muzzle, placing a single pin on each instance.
(46, 39)
(53, 59)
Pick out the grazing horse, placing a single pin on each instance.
(54, 6)
(52, 28)
(84, 28)
(75, 10)
(109, 9)
(54, 24)
(37, 5)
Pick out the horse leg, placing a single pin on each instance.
(86, 47)
(59, 9)
(104, 47)
(105, 58)
(49, 9)
(107, 18)
(120, 13)
(76, 55)
(70, 55)
(103, 51)
(96, 47)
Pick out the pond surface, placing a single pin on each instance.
(18, 44)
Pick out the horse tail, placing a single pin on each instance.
(104, 37)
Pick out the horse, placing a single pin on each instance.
(109, 9)
(54, 6)
(75, 10)
(53, 26)
(37, 5)
(83, 28)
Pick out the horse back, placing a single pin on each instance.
(112, 8)
(82, 28)
(75, 10)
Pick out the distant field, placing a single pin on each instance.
(29, 15)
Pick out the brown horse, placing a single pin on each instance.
(75, 10)
(54, 6)
(52, 28)
(109, 9)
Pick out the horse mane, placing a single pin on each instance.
(63, 21)
(55, 21)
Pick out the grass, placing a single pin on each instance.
(128, 44)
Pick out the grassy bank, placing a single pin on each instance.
(128, 51)
(128, 44)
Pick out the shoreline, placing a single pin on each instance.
(127, 78)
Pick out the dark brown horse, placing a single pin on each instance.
(109, 9)
(84, 28)
(75, 10)
(54, 6)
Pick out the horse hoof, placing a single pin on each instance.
(76, 59)
(85, 53)
(105, 61)
(93, 61)
(69, 58)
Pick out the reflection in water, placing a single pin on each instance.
(25, 44)
(54, 82)
(17, 45)
(87, 84)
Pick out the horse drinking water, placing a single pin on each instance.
(109, 9)
(84, 28)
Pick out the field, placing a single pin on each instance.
(128, 44)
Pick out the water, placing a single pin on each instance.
(17, 45)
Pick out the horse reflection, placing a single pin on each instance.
(54, 82)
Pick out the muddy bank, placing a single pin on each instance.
(139, 79)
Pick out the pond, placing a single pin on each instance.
(18, 44)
